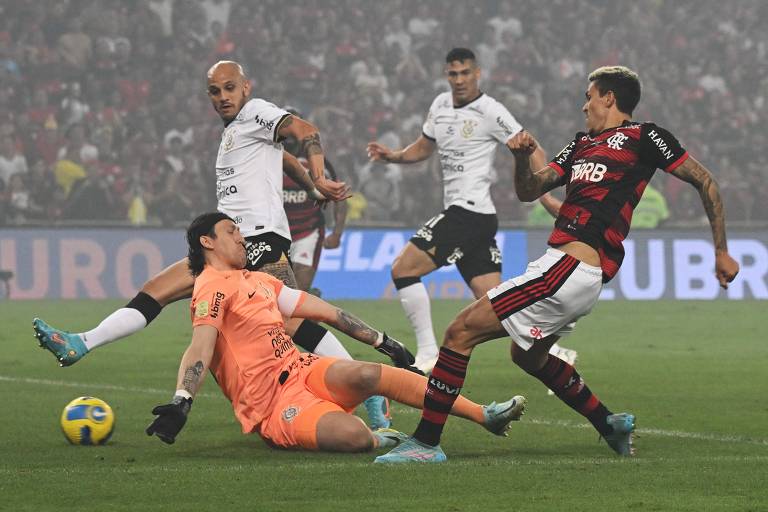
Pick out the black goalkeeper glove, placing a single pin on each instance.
(400, 355)
(170, 419)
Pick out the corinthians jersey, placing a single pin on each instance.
(466, 138)
(249, 170)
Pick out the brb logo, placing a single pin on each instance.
(616, 140)
(588, 171)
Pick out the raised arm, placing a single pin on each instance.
(309, 139)
(171, 417)
(529, 184)
(298, 173)
(538, 160)
(317, 309)
(419, 150)
(693, 172)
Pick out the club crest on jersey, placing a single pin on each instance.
(228, 139)
(201, 309)
(616, 140)
(290, 412)
(256, 250)
(468, 129)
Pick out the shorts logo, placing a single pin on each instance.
(536, 333)
(290, 412)
(256, 250)
(616, 140)
(455, 256)
(495, 256)
(425, 233)
(201, 309)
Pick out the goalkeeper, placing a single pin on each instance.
(292, 400)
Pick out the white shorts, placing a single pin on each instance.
(306, 251)
(554, 292)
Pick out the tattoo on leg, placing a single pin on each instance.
(310, 145)
(192, 377)
(353, 326)
(281, 270)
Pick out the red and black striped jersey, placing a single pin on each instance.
(304, 215)
(605, 176)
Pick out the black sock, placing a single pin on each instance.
(146, 305)
(308, 335)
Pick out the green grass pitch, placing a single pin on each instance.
(694, 373)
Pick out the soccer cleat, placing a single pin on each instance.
(412, 450)
(389, 437)
(377, 408)
(67, 347)
(621, 438)
(425, 363)
(499, 416)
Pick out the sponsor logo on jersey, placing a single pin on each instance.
(450, 130)
(217, 298)
(201, 309)
(263, 122)
(661, 143)
(588, 171)
(562, 157)
(468, 129)
(225, 190)
(424, 233)
(229, 171)
(294, 196)
(290, 412)
(504, 126)
(616, 140)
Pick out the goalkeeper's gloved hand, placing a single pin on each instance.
(170, 419)
(400, 355)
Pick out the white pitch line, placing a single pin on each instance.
(699, 436)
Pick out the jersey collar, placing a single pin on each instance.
(470, 101)
(626, 122)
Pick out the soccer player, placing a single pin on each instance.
(605, 171)
(291, 400)
(465, 125)
(306, 219)
(249, 168)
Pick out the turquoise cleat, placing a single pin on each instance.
(499, 416)
(621, 438)
(377, 408)
(67, 347)
(411, 450)
(389, 437)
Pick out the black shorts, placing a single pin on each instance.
(265, 248)
(462, 237)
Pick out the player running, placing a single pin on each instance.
(307, 221)
(605, 171)
(465, 125)
(291, 400)
(249, 168)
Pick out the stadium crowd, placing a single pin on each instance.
(104, 116)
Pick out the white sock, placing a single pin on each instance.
(554, 349)
(119, 324)
(415, 301)
(330, 346)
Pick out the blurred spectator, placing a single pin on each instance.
(12, 162)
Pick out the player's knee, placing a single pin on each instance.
(353, 437)
(458, 335)
(366, 378)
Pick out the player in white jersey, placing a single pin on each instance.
(465, 125)
(249, 168)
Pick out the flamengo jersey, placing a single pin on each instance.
(466, 138)
(605, 176)
(304, 215)
(249, 170)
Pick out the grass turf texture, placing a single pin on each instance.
(692, 372)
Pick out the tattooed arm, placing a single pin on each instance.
(529, 184)
(309, 139)
(318, 310)
(693, 172)
(196, 359)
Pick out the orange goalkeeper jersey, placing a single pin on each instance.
(254, 356)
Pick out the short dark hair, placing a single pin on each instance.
(460, 54)
(624, 83)
(203, 225)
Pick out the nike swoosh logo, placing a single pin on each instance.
(252, 294)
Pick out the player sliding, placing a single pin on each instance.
(249, 168)
(465, 126)
(605, 171)
(291, 400)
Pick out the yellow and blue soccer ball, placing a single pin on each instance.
(87, 420)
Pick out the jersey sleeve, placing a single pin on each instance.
(288, 299)
(263, 119)
(428, 129)
(211, 300)
(502, 124)
(660, 148)
(563, 161)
